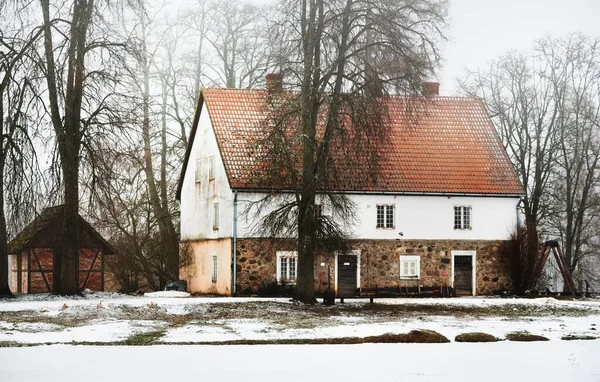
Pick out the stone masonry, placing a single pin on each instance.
(380, 263)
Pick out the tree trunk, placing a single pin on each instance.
(169, 239)
(305, 289)
(68, 256)
(4, 274)
(68, 134)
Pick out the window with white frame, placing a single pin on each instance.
(287, 266)
(215, 267)
(385, 216)
(198, 171)
(410, 267)
(462, 217)
(216, 216)
(211, 168)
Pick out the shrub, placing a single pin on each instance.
(525, 337)
(475, 337)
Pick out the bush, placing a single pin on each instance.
(525, 337)
(475, 337)
(414, 336)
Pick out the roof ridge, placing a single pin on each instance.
(396, 96)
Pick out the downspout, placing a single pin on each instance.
(234, 254)
(518, 214)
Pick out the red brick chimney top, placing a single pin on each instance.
(274, 83)
(431, 89)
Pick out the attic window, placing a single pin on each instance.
(211, 168)
(198, 170)
(216, 216)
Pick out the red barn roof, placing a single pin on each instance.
(451, 146)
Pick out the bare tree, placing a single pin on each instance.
(545, 105)
(18, 164)
(78, 65)
(239, 40)
(342, 57)
(575, 75)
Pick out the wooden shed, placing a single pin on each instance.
(32, 254)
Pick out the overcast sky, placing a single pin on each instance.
(481, 30)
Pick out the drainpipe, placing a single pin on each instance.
(518, 213)
(234, 254)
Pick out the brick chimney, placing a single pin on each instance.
(431, 89)
(274, 83)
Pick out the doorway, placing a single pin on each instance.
(463, 273)
(347, 274)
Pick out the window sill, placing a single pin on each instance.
(409, 278)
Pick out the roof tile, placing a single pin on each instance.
(450, 147)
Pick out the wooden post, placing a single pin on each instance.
(29, 270)
(102, 272)
(20, 273)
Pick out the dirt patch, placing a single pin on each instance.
(476, 337)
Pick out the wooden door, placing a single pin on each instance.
(463, 275)
(347, 267)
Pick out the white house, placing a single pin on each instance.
(440, 216)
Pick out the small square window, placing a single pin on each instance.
(410, 267)
(462, 217)
(211, 168)
(215, 267)
(198, 171)
(216, 216)
(385, 216)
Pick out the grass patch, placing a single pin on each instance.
(475, 337)
(525, 337)
(143, 338)
(151, 338)
(574, 337)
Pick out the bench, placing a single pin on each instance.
(401, 291)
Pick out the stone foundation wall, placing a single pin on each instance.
(380, 263)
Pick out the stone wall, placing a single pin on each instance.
(380, 263)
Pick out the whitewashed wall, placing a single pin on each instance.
(421, 217)
(416, 216)
(197, 199)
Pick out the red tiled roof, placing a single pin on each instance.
(451, 146)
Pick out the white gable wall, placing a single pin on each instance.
(197, 199)
(419, 217)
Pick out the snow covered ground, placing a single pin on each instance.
(168, 322)
(112, 318)
(502, 362)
